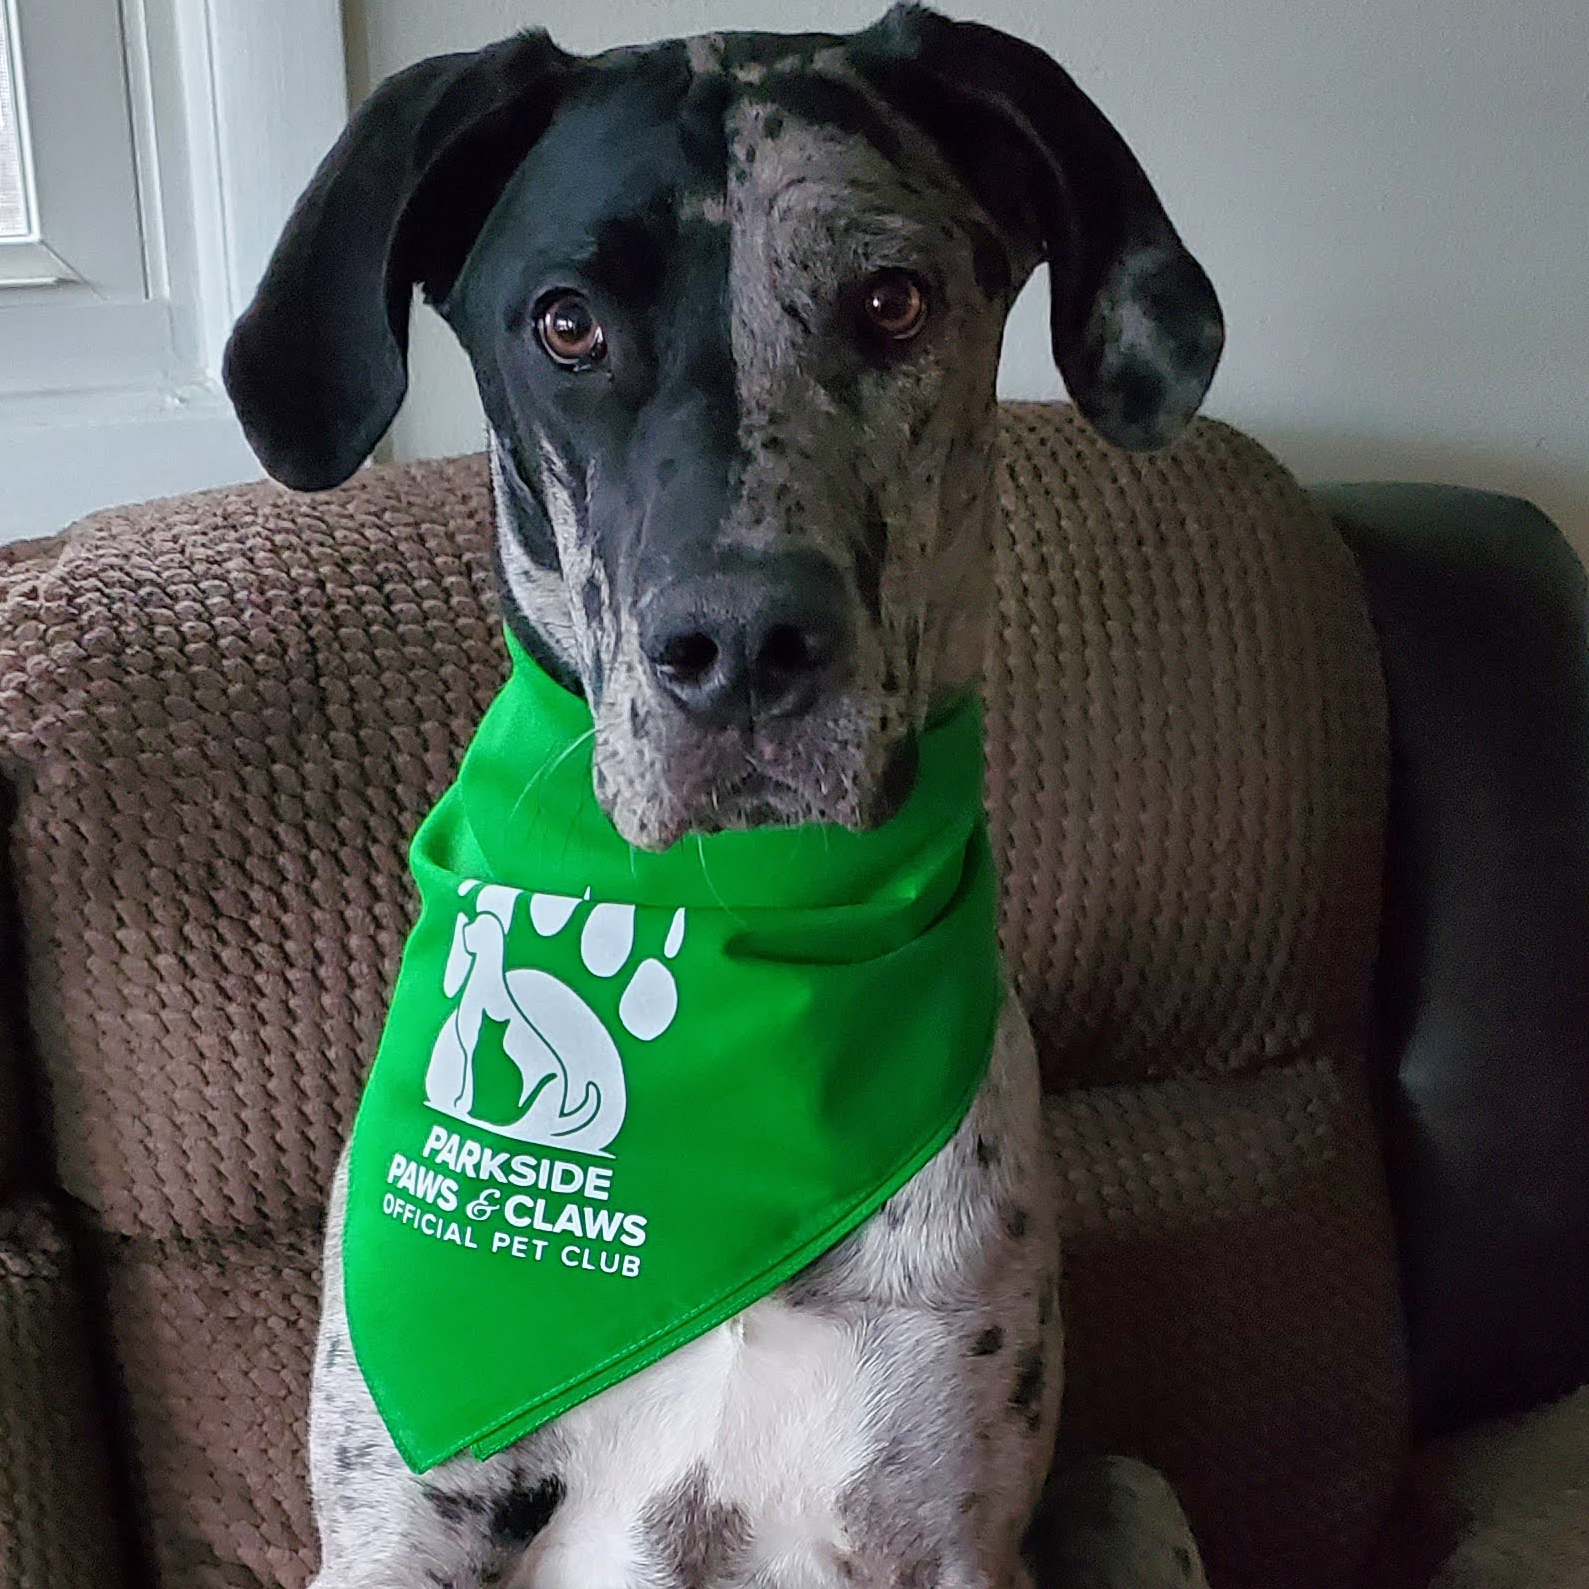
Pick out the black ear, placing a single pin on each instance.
(318, 363)
(1137, 329)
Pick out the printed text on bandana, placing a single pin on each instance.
(456, 1189)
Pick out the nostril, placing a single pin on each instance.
(741, 644)
(688, 658)
(788, 650)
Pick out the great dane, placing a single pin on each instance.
(734, 304)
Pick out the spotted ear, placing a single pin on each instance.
(1137, 329)
(318, 363)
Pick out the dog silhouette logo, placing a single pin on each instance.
(570, 1079)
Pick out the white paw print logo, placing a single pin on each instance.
(571, 1084)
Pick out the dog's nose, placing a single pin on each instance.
(748, 643)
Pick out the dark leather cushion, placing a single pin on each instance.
(1483, 986)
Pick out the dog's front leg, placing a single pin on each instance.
(1114, 1523)
(463, 1525)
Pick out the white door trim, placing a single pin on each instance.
(266, 95)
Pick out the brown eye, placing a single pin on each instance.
(570, 333)
(895, 304)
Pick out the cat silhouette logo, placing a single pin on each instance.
(570, 1081)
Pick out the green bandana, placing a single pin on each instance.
(620, 1096)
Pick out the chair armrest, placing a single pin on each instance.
(58, 1516)
(1483, 979)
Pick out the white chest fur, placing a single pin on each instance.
(765, 1405)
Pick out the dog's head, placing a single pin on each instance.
(734, 306)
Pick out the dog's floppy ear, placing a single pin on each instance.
(318, 363)
(1137, 329)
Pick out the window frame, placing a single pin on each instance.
(70, 79)
(111, 392)
(11, 64)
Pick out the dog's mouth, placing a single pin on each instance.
(738, 780)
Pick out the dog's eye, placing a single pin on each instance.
(570, 333)
(895, 304)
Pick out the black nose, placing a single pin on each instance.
(747, 642)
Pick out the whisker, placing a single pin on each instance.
(706, 876)
(549, 767)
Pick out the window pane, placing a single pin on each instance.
(13, 201)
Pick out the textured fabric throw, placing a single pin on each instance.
(619, 1096)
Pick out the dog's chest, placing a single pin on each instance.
(893, 1378)
(745, 1438)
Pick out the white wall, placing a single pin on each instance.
(1392, 197)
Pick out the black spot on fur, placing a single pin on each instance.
(591, 595)
(708, 371)
(1137, 396)
(532, 525)
(522, 1513)
(988, 1342)
(536, 539)
(1016, 1220)
(987, 1153)
(823, 101)
(1183, 1559)
(844, 386)
(773, 125)
(452, 1508)
(869, 558)
(989, 263)
(969, 1502)
(899, 775)
(697, 1537)
(1026, 1394)
(535, 644)
(1045, 1300)
(701, 127)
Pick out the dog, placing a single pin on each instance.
(734, 306)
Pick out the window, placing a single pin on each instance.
(16, 212)
(149, 151)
